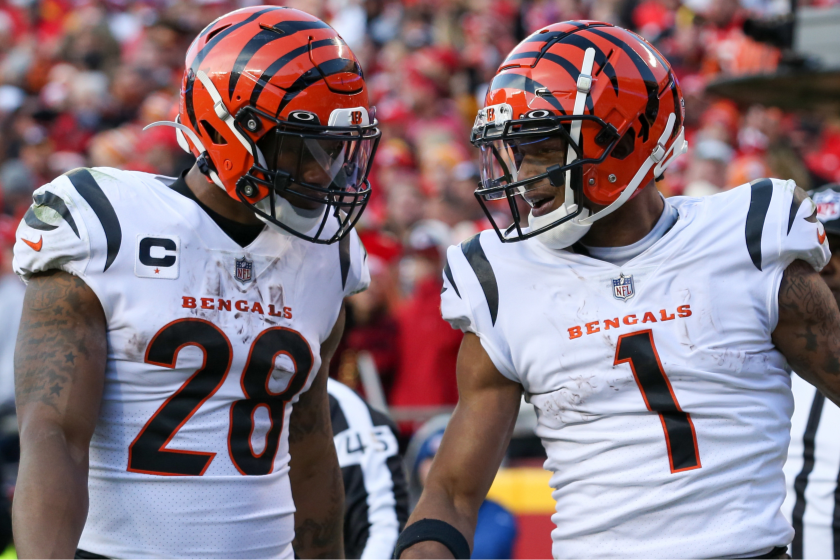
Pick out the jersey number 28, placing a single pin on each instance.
(638, 350)
(148, 453)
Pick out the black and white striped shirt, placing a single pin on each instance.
(376, 495)
(812, 471)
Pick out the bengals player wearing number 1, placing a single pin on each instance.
(172, 360)
(654, 337)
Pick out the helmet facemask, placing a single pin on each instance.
(312, 173)
(520, 156)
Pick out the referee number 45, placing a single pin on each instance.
(352, 445)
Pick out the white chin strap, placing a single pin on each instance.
(569, 233)
(659, 159)
(285, 212)
(225, 116)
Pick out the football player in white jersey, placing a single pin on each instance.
(654, 337)
(172, 360)
(812, 469)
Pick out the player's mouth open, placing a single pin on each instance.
(540, 203)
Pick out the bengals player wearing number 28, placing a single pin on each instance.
(171, 366)
(654, 337)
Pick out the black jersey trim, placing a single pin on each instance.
(760, 195)
(339, 421)
(801, 480)
(344, 259)
(356, 511)
(241, 234)
(50, 200)
(448, 272)
(86, 186)
(358, 526)
(799, 195)
(484, 272)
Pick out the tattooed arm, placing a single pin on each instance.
(317, 486)
(808, 332)
(59, 377)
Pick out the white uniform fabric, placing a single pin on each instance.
(812, 471)
(701, 307)
(172, 447)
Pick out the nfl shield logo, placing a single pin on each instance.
(243, 269)
(623, 287)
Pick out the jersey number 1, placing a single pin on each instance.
(638, 350)
(148, 452)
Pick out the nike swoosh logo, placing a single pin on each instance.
(35, 246)
(821, 236)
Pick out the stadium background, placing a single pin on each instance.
(79, 80)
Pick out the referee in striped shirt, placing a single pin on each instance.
(376, 494)
(812, 471)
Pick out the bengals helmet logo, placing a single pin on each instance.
(491, 115)
(356, 117)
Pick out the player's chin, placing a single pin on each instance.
(307, 202)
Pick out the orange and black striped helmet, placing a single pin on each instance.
(275, 107)
(599, 98)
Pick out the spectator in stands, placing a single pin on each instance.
(428, 349)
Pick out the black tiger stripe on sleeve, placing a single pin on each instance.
(799, 196)
(86, 186)
(49, 200)
(344, 259)
(448, 272)
(484, 272)
(760, 196)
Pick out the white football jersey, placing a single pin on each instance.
(813, 499)
(662, 403)
(209, 346)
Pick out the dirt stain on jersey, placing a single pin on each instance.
(135, 348)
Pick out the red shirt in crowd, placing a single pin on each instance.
(428, 351)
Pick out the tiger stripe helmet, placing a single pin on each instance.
(275, 107)
(611, 98)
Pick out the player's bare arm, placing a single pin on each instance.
(808, 332)
(315, 474)
(59, 376)
(472, 448)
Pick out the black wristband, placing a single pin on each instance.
(433, 530)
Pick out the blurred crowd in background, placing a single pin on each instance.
(79, 80)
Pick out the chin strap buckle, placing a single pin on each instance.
(658, 153)
(221, 110)
(584, 83)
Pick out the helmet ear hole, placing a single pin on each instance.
(213, 134)
(626, 145)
